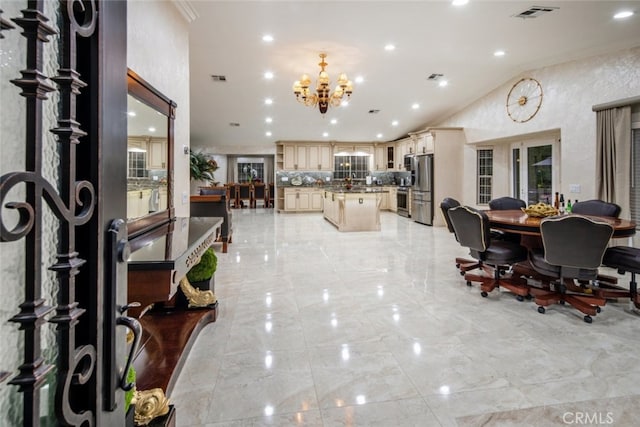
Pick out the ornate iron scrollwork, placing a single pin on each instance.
(73, 206)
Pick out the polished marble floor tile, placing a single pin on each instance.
(322, 328)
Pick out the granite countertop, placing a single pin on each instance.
(357, 189)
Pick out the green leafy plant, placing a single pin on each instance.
(205, 268)
(128, 395)
(201, 166)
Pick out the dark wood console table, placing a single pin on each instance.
(158, 261)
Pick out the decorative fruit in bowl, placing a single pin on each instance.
(540, 210)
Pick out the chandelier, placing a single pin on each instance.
(323, 96)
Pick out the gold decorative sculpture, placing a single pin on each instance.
(195, 296)
(150, 404)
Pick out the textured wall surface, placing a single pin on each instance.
(570, 91)
(158, 50)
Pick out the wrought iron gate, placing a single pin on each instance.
(53, 199)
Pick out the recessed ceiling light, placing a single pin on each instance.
(267, 133)
(499, 53)
(394, 123)
(267, 38)
(268, 75)
(359, 79)
(334, 121)
(379, 136)
(623, 14)
(268, 120)
(325, 134)
(389, 47)
(459, 2)
(268, 101)
(415, 106)
(152, 129)
(344, 103)
(443, 83)
(132, 113)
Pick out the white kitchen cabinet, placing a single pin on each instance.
(425, 144)
(380, 158)
(384, 201)
(157, 154)
(403, 147)
(290, 153)
(138, 203)
(298, 156)
(302, 199)
(393, 198)
(319, 157)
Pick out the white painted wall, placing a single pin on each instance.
(158, 50)
(570, 91)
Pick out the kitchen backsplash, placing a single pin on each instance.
(310, 178)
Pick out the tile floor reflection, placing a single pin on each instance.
(322, 328)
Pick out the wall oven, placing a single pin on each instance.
(403, 201)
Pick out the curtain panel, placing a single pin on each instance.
(613, 168)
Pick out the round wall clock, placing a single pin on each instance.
(524, 100)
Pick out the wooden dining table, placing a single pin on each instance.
(516, 221)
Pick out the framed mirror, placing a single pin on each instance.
(149, 156)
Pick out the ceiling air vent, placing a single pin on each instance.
(535, 11)
(234, 124)
(219, 78)
(434, 76)
(374, 111)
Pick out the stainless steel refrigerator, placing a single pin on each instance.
(422, 189)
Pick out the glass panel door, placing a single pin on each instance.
(534, 171)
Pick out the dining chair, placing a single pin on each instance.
(472, 230)
(504, 204)
(271, 194)
(624, 259)
(233, 194)
(573, 249)
(244, 192)
(596, 207)
(462, 264)
(259, 194)
(600, 208)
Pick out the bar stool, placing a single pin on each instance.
(624, 259)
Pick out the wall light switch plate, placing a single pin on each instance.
(185, 197)
(574, 188)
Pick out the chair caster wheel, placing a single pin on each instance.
(483, 294)
(598, 309)
(561, 302)
(588, 319)
(457, 265)
(541, 310)
(529, 297)
(468, 283)
(462, 273)
(520, 298)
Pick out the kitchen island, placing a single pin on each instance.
(357, 209)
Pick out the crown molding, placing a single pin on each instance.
(187, 9)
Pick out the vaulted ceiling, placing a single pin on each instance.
(430, 37)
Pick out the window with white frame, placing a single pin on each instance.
(485, 176)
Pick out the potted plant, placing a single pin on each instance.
(201, 166)
(200, 287)
(201, 275)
